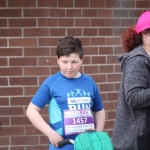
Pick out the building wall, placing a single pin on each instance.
(29, 31)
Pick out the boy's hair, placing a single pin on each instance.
(68, 45)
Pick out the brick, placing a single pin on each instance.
(90, 50)
(89, 13)
(113, 41)
(22, 61)
(112, 96)
(109, 124)
(36, 12)
(113, 77)
(109, 105)
(90, 69)
(135, 13)
(74, 32)
(3, 61)
(73, 12)
(107, 87)
(4, 141)
(45, 3)
(121, 13)
(21, 3)
(86, 41)
(86, 60)
(112, 4)
(47, 61)
(4, 101)
(106, 50)
(106, 69)
(83, 3)
(43, 140)
(117, 68)
(31, 130)
(22, 23)
(118, 31)
(97, 3)
(3, 42)
(17, 148)
(3, 3)
(7, 111)
(3, 81)
(36, 71)
(39, 147)
(4, 148)
(98, 59)
(82, 22)
(98, 22)
(105, 32)
(57, 31)
(142, 4)
(23, 120)
(99, 78)
(98, 41)
(3, 23)
(36, 32)
(127, 22)
(41, 79)
(47, 22)
(112, 59)
(12, 131)
(105, 13)
(25, 140)
(10, 32)
(48, 41)
(117, 86)
(20, 100)
(9, 91)
(65, 22)
(128, 4)
(30, 90)
(23, 42)
(89, 32)
(118, 50)
(10, 13)
(57, 12)
(54, 70)
(4, 121)
(36, 51)
(66, 3)
(10, 52)
(23, 81)
(13, 71)
(111, 114)
(113, 22)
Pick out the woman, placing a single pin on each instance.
(133, 115)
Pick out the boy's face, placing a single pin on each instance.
(70, 65)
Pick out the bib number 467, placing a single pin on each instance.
(79, 120)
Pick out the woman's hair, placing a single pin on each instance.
(130, 38)
(68, 45)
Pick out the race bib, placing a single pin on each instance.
(77, 121)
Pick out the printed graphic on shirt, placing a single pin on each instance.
(78, 99)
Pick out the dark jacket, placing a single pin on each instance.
(132, 116)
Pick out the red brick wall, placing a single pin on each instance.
(29, 30)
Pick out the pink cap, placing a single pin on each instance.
(143, 22)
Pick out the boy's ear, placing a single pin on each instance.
(57, 60)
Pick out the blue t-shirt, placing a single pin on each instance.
(63, 93)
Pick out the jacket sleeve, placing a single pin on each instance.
(136, 80)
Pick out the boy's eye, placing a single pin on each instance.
(74, 62)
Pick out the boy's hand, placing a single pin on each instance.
(55, 138)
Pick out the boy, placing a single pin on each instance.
(67, 92)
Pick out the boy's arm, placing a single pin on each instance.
(99, 117)
(33, 113)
